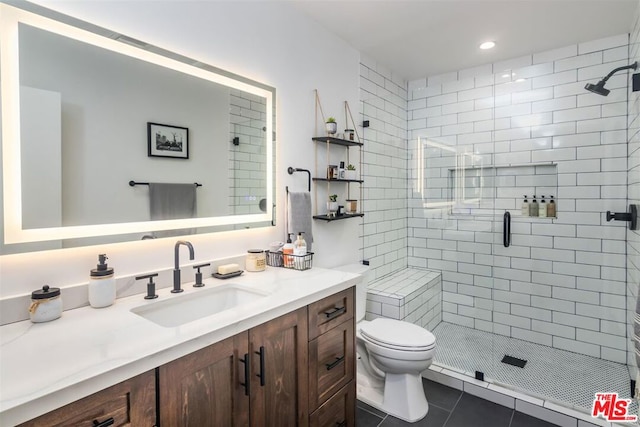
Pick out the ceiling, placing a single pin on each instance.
(419, 38)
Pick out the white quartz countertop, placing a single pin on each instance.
(47, 365)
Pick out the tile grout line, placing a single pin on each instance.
(453, 409)
(513, 413)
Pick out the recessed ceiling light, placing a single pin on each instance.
(487, 45)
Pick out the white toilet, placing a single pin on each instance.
(392, 354)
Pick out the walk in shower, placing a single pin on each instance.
(536, 303)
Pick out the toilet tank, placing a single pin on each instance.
(361, 288)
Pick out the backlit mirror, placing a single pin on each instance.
(107, 139)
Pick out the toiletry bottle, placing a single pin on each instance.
(551, 208)
(542, 208)
(299, 250)
(533, 207)
(102, 284)
(287, 251)
(300, 245)
(341, 171)
(525, 206)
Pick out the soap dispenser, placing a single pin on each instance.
(287, 251)
(525, 207)
(299, 250)
(542, 208)
(533, 207)
(102, 284)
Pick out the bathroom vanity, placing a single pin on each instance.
(287, 358)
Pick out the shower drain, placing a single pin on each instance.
(510, 360)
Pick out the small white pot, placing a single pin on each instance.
(332, 128)
(350, 174)
(332, 208)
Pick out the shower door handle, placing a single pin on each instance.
(506, 229)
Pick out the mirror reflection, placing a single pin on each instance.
(108, 138)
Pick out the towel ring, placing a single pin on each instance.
(291, 172)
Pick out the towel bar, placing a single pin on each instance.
(133, 183)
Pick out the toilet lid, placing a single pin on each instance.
(398, 334)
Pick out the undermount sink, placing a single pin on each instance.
(188, 308)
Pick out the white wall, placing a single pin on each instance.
(268, 42)
(562, 281)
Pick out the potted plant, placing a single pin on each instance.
(332, 205)
(332, 126)
(350, 173)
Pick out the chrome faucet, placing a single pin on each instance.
(176, 271)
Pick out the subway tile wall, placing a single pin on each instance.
(562, 281)
(247, 169)
(410, 294)
(383, 97)
(633, 237)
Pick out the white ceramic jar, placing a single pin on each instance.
(46, 304)
(256, 260)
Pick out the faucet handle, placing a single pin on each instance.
(199, 283)
(151, 286)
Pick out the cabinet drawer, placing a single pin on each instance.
(331, 363)
(340, 410)
(129, 403)
(330, 311)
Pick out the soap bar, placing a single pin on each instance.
(228, 268)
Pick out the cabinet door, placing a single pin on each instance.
(129, 403)
(279, 359)
(330, 312)
(331, 363)
(205, 388)
(339, 411)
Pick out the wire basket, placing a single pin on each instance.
(294, 262)
(274, 259)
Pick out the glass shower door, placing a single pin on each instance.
(452, 203)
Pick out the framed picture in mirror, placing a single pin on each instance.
(167, 141)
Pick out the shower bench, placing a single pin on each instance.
(410, 294)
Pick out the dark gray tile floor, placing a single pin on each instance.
(449, 407)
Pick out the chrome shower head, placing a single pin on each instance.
(599, 87)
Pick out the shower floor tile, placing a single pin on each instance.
(559, 376)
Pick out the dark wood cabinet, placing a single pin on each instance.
(206, 388)
(279, 390)
(209, 388)
(295, 370)
(129, 403)
(332, 360)
(339, 411)
(330, 312)
(331, 363)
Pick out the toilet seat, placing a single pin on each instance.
(398, 335)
